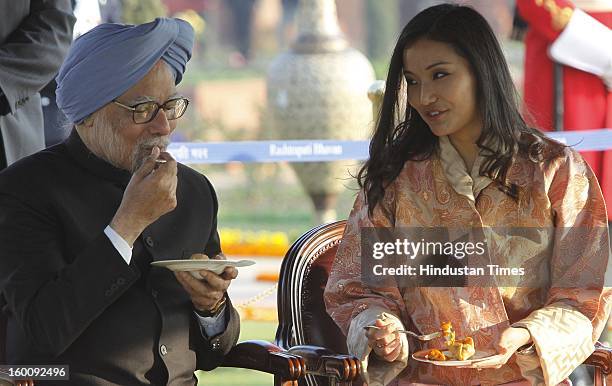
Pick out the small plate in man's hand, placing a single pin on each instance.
(193, 266)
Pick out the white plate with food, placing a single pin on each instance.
(458, 352)
(449, 360)
(193, 266)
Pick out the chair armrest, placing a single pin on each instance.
(266, 357)
(321, 361)
(601, 358)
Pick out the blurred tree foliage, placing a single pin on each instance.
(382, 26)
(142, 11)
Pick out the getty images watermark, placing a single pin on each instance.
(459, 250)
(489, 257)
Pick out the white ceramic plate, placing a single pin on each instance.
(478, 356)
(193, 266)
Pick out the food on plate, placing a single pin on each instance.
(447, 331)
(199, 256)
(459, 349)
(435, 355)
(462, 349)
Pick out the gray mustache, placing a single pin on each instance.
(151, 142)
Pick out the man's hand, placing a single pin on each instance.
(386, 342)
(509, 342)
(208, 291)
(150, 194)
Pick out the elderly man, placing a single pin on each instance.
(81, 222)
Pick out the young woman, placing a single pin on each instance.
(462, 156)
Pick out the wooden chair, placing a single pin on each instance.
(264, 356)
(304, 327)
(601, 360)
(257, 355)
(304, 321)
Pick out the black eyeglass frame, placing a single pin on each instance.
(158, 107)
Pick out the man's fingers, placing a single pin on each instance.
(166, 157)
(201, 296)
(220, 256)
(191, 284)
(214, 281)
(210, 282)
(166, 170)
(181, 279)
(197, 285)
(230, 273)
(149, 163)
(170, 165)
(170, 162)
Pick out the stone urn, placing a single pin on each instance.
(318, 89)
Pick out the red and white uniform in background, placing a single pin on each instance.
(577, 35)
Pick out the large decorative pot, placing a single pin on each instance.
(318, 90)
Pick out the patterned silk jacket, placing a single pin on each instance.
(561, 299)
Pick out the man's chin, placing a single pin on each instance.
(138, 159)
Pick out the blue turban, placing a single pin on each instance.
(111, 58)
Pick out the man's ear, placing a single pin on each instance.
(84, 126)
(87, 122)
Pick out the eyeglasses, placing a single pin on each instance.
(145, 112)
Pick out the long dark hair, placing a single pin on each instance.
(504, 130)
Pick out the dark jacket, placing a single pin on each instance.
(70, 296)
(34, 38)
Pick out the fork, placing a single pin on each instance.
(425, 337)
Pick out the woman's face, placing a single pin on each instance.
(442, 89)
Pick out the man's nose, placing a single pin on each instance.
(160, 124)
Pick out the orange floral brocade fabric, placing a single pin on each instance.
(561, 195)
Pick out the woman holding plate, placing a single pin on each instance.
(451, 150)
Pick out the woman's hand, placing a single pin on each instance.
(385, 342)
(509, 342)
